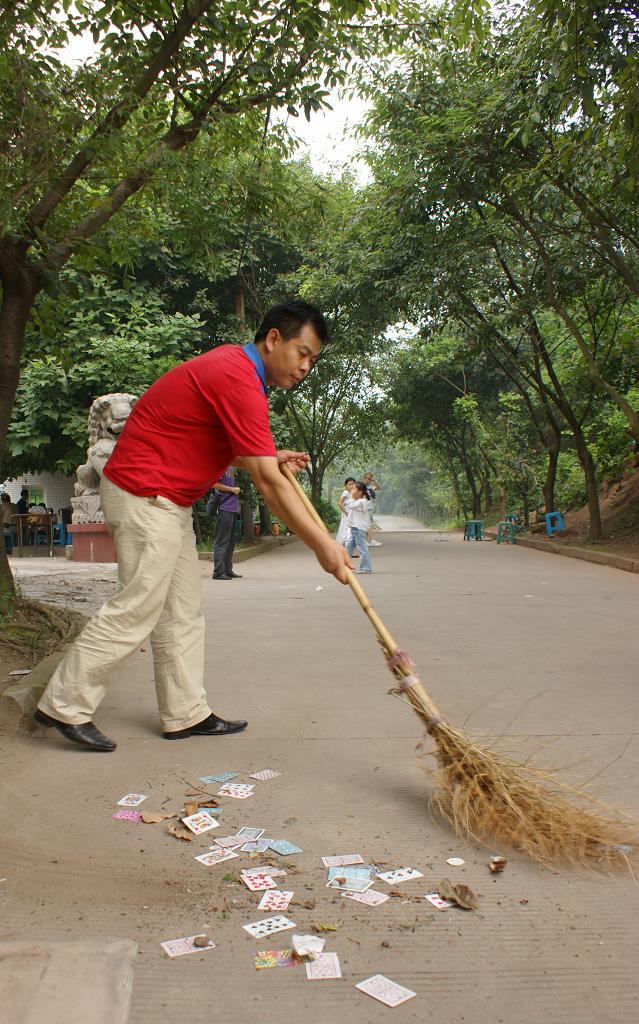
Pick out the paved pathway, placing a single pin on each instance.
(508, 640)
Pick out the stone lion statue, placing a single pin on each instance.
(107, 417)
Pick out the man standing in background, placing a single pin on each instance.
(228, 506)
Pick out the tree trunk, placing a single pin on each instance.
(266, 526)
(502, 503)
(551, 477)
(588, 466)
(246, 513)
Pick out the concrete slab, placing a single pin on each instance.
(535, 653)
(86, 982)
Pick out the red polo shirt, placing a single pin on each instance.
(189, 426)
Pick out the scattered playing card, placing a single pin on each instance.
(437, 901)
(250, 833)
(258, 883)
(352, 871)
(179, 947)
(256, 846)
(212, 857)
(352, 884)
(385, 990)
(268, 926)
(132, 800)
(220, 777)
(341, 860)
(325, 965)
(275, 958)
(400, 875)
(238, 790)
(229, 842)
(372, 898)
(284, 848)
(128, 815)
(266, 869)
(264, 776)
(276, 899)
(200, 822)
(455, 862)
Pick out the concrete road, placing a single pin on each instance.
(534, 652)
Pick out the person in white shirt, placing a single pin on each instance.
(358, 521)
(372, 485)
(343, 532)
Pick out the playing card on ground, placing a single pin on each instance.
(284, 848)
(256, 846)
(385, 990)
(212, 857)
(238, 790)
(399, 875)
(341, 860)
(264, 776)
(275, 958)
(178, 947)
(200, 822)
(258, 883)
(372, 898)
(128, 815)
(229, 842)
(132, 800)
(325, 965)
(220, 777)
(437, 901)
(352, 884)
(276, 899)
(268, 926)
(354, 871)
(266, 869)
(250, 833)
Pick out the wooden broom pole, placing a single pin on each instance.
(383, 633)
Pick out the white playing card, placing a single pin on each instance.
(264, 776)
(399, 875)
(179, 947)
(385, 990)
(372, 898)
(229, 842)
(212, 857)
(276, 899)
(200, 822)
(266, 869)
(250, 833)
(268, 926)
(256, 846)
(352, 884)
(238, 790)
(325, 965)
(437, 901)
(258, 883)
(132, 800)
(342, 860)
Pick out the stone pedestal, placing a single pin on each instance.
(92, 542)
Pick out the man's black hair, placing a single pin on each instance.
(290, 317)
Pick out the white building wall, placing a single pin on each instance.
(57, 487)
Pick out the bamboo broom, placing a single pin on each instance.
(489, 796)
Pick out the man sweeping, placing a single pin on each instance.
(194, 422)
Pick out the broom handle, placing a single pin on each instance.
(383, 633)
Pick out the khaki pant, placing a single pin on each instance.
(160, 596)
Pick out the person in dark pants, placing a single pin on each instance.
(228, 506)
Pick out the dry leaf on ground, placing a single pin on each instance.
(153, 817)
(179, 831)
(460, 893)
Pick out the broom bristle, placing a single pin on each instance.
(488, 796)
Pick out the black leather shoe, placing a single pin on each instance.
(86, 734)
(236, 576)
(211, 726)
(222, 577)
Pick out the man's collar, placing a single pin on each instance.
(258, 362)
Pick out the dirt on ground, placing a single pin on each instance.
(619, 503)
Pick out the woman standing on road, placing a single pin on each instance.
(343, 532)
(358, 520)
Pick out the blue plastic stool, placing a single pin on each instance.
(59, 534)
(507, 529)
(474, 530)
(554, 523)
